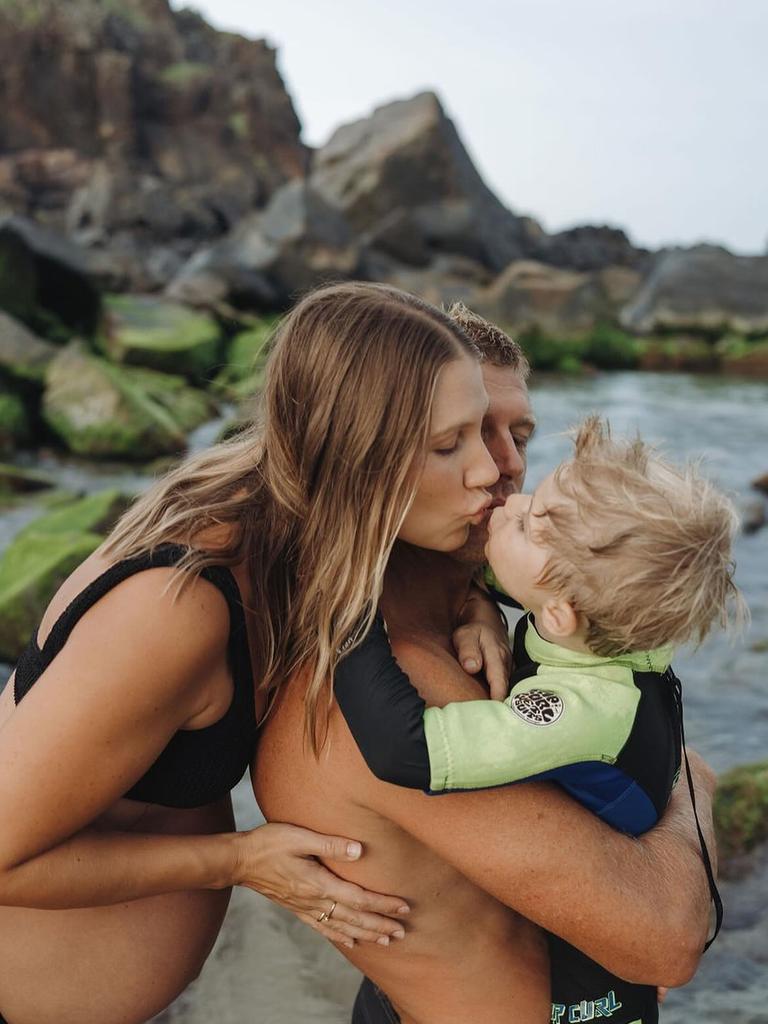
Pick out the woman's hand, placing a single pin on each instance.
(281, 862)
(481, 641)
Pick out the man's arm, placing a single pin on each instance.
(638, 906)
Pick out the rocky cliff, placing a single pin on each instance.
(127, 122)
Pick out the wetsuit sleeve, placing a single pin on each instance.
(384, 711)
(548, 722)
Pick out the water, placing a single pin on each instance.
(725, 423)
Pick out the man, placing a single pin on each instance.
(482, 870)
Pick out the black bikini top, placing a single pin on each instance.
(197, 766)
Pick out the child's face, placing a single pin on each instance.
(515, 549)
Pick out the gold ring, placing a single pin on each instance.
(326, 914)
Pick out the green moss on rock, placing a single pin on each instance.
(41, 557)
(101, 410)
(150, 332)
(741, 809)
(14, 424)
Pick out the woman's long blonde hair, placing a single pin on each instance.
(316, 488)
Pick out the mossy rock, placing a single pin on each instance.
(142, 330)
(681, 354)
(243, 372)
(14, 423)
(741, 809)
(749, 358)
(41, 557)
(23, 355)
(31, 571)
(104, 411)
(94, 513)
(17, 483)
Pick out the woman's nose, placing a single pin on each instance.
(483, 472)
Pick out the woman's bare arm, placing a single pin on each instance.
(135, 669)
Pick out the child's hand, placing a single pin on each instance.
(661, 994)
(479, 646)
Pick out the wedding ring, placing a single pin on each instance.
(326, 914)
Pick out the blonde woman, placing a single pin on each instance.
(133, 711)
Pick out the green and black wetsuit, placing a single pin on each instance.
(608, 730)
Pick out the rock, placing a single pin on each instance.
(706, 290)
(15, 480)
(745, 358)
(297, 243)
(14, 424)
(143, 330)
(101, 410)
(753, 515)
(692, 355)
(146, 120)
(591, 247)
(23, 356)
(41, 557)
(760, 483)
(445, 280)
(404, 180)
(47, 281)
(243, 372)
(530, 295)
(741, 811)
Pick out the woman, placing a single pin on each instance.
(132, 712)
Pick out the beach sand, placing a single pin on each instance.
(266, 967)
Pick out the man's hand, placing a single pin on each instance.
(481, 642)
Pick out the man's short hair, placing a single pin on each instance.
(496, 347)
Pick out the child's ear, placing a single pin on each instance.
(558, 617)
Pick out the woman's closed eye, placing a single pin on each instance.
(449, 450)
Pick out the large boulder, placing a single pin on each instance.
(405, 182)
(706, 290)
(529, 295)
(146, 120)
(101, 410)
(297, 243)
(41, 557)
(143, 330)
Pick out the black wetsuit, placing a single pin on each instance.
(198, 766)
(607, 730)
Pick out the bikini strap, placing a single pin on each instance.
(166, 555)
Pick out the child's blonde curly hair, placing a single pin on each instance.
(642, 549)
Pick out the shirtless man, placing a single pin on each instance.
(481, 870)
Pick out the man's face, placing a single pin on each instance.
(507, 429)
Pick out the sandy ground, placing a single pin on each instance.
(267, 967)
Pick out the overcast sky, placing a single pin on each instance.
(647, 114)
